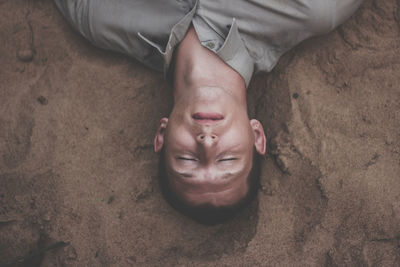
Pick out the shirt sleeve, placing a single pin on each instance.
(76, 12)
(329, 14)
(119, 25)
(269, 28)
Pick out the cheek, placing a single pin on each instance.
(179, 137)
(239, 135)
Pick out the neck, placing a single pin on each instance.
(197, 67)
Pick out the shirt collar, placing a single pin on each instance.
(235, 54)
(233, 51)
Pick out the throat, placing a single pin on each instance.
(197, 66)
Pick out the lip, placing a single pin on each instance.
(207, 118)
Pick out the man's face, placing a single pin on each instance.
(208, 146)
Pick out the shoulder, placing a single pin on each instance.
(328, 14)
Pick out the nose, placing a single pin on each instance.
(207, 140)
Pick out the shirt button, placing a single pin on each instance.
(210, 45)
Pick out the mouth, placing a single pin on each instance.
(207, 118)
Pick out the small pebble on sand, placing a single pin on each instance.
(42, 100)
(25, 55)
(47, 217)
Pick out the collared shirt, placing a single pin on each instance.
(248, 35)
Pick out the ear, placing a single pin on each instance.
(159, 138)
(259, 136)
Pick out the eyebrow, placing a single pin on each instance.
(227, 151)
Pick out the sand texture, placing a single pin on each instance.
(78, 177)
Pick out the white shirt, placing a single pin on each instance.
(249, 35)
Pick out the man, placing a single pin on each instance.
(209, 50)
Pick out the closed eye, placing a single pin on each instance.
(228, 159)
(185, 158)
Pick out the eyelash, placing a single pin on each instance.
(228, 159)
(192, 159)
(183, 158)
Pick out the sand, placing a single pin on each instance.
(78, 177)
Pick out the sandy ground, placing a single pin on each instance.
(78, 182)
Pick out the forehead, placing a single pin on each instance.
(208, 175)
(226, 188)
